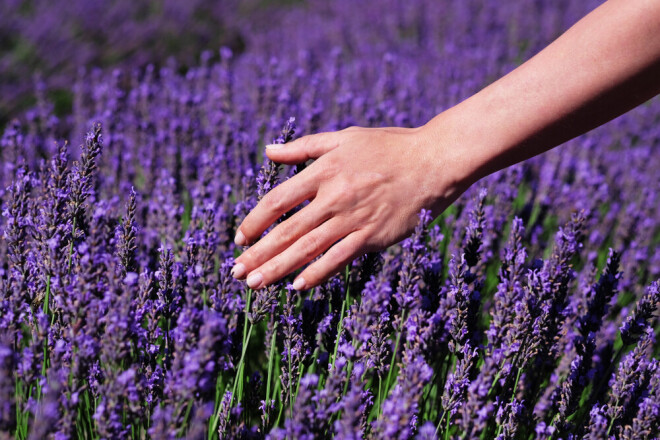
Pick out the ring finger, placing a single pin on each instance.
(281, 237)
(305, 249)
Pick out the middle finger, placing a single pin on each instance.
(304, 250)
(281, 237)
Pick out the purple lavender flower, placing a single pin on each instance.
(414, 261)
(508, 417)
(598, 424)
(465, 297)
(637, 322)
(295, 349)
(510, 289)
(143, 329)
(457, 383)
(81, 178)
(399, 411)
(474, 231)
(602, 294)
(264, 301)
(126, 238)
(629, 383)
(8, 406)
(355, 408)
(646, 422)
(16, 235)
(268, 176)
(303, 423)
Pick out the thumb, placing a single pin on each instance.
(302, 149)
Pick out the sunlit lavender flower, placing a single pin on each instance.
(465, 296)
(355, 408)
(126, 238)
(400, 409)
(264, 301)
(303, 423)
(268, 176)
(474, 231)
(509, 289)
(82, 175)
(295, 349)
(457, 382)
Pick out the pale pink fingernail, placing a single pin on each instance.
(299, 284)
(254, 280)
(239, 240)
(238, 270)
(274, 146)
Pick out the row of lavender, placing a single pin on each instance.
(45, 42)
(507, 317)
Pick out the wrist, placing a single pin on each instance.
(456, 159)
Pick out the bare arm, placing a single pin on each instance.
(603, 66)
(368, 185)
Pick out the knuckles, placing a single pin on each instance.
(274, 268)
(311, 246)
(272, 202)
(328, 166)
(286, 233)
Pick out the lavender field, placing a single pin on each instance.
(527, 310)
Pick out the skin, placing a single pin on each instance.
(367, 185)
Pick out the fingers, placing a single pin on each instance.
(277, 202)
(332, 262)
(281, 237)
(304, 148)
(305, 249)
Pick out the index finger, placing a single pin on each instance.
(287, 195)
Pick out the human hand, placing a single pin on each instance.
(366, 186)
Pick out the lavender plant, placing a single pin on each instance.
(527, 310)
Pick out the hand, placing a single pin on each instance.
(366, 186)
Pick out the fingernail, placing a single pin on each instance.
(299, 284)
(274, 146)
(255, 280)
(238, 270)
(239, 239)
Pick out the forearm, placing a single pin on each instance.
(606, 64)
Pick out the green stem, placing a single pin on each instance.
(279, 415)
(312, 366)
(442, 418)
(271, 356)
(241, 367)
(182, 428)
(513, 396)
(290, 393)
(380, 396)
(73, 233)
(497, 377)
(340, 325)
(609, 428)
(88, 419)
(239, 376)
(447, 428)
(44, 364)
(245, 341)
(19, 415)
(396, 349)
